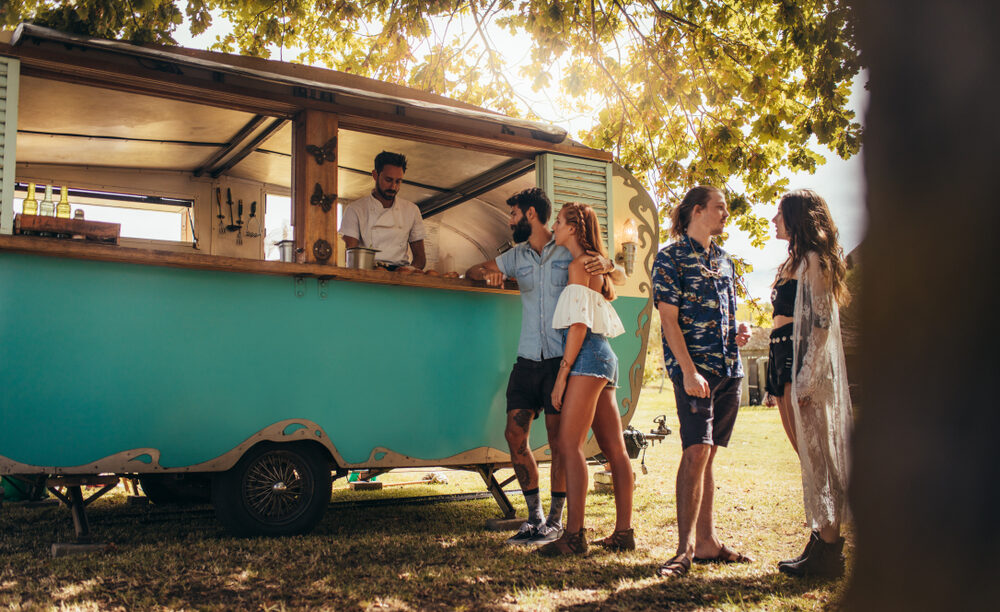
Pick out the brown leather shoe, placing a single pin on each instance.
(618, 540)
(568, 544)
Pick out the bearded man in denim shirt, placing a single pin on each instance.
(694, 290)
(541, 269)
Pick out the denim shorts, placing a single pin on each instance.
(595, 359)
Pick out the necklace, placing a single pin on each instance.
(706, 271)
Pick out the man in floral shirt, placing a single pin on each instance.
(694, 291)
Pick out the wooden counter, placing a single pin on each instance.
(76, 249)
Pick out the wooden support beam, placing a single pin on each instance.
(248, 148)
(314, 185)
(234, 142)
(475, 186)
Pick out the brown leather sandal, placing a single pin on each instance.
(618, 540)
(568, 544)
(676, 567)
(725, 556)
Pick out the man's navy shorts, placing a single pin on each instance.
(708, 420)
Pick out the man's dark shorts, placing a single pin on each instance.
(530, 385)
(708, 420)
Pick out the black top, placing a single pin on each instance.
(783, 298)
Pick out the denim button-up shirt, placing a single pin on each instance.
(706, 303)
(541, 278)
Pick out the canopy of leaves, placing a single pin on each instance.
(683, 92)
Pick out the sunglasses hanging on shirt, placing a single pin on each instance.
(706, 271)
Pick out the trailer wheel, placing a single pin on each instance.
(274, 489)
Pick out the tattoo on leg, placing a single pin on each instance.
(521, 473)
(522, 418)
(523, 448)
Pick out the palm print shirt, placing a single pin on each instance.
(702, 287)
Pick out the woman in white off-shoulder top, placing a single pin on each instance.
(589, 368)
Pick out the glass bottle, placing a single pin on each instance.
(62, 209)
(30, 205)
(47, 207)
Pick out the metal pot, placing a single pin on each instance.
(286, 250)
(361, 258)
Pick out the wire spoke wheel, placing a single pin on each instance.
(274, 489)
(277, 487)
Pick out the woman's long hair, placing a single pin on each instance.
(810, 228)
(588, 234)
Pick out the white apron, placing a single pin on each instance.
(390, 237)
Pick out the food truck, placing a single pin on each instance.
(198, 359)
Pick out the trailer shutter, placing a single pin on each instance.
(10, 70)
(571, 179)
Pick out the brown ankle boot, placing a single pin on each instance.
(813, 538)
(618, 540)
(568, 544)
(823, 559)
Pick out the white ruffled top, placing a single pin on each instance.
(579, 304)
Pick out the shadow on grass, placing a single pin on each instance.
(703, 590)
(419, 557)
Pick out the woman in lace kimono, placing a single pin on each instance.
(807, 376)
(588, 369)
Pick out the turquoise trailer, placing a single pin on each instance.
(205, 367)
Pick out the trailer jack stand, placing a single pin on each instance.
(73, 498)
(509, 520)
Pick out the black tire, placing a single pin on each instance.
(180, 489)
(274, 489)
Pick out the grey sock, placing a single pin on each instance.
(535, 515)
(556, 510)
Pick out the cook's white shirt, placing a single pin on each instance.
(390, 230)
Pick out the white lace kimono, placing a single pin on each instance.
(821, 403)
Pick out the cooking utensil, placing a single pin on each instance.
(239, 223)
(253, 222)
(232, 227)
(218, 200)
(361, 258)
(286, 250)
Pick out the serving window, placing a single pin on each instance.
(190, 175)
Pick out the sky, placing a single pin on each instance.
(840, 182)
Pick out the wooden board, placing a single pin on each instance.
(98, 231)
(76, 249)
(313, 221)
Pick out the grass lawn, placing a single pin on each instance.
(433, 556)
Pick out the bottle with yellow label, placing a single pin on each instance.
(62, 209)
(30, 205)
(47, 207)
